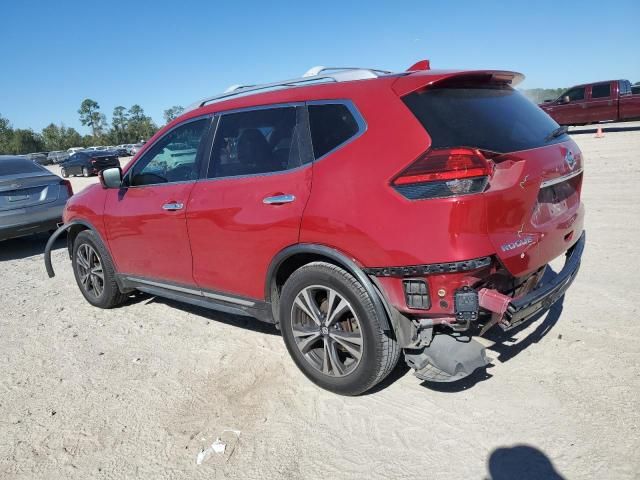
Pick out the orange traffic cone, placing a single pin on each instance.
(599, 133)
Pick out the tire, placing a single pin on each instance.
(89, 253)
(344, 349)
(85, 172)
(63, 172)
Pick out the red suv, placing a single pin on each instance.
(365, 213)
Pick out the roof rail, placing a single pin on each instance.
(317, 74)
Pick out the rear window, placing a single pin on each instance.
(601, 91)
(496, 118)
(17, 166)
(331, 125)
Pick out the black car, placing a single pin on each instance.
(39, 157)
(58, 156)
(88, 162)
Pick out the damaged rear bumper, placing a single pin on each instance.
(520, 309)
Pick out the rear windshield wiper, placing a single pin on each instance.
(556, 133)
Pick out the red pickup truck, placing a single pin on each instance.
(595, 102)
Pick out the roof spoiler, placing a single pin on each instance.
(420, 79)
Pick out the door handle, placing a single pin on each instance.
(171, 206)
(279, 199)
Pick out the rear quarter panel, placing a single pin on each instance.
(353, 208)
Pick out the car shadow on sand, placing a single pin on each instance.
(29, 246)
(522, 462)
(240, 321)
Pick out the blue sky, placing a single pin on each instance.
(158, 54)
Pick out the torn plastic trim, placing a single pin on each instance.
(47, 249)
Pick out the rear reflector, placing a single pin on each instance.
(444, 173)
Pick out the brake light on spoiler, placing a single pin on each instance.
(444, 173)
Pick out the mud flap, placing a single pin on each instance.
(447, 359)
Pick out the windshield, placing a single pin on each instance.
(489, 117)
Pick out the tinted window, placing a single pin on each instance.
(172, 158)
(256, 141)
(17, 166)
(601, 91)
(492, 117)
(331, 125)
(575, 94)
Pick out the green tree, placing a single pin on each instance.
(119, 122)
(90, 115)
(140, 126)
(25, 141)
(6, 134)
(52, 137)
(172, 113)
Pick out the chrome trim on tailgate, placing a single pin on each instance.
(564, 178)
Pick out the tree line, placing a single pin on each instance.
(128, 125)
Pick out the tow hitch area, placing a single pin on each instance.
(447, 359)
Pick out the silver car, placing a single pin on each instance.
(31, 197)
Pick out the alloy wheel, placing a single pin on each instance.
(327, 331)
(90, 271)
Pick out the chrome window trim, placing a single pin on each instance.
(360, 121)
(222, 113)
(564, 178)
(168, 132)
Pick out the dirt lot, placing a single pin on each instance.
(140, 391)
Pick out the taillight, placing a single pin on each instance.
(444, 173)
(67, 184)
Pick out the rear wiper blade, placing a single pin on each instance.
(557, 132)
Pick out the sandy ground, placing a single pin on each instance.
(140, 391)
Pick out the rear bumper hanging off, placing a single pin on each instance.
(516, 310)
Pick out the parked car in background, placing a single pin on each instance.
(73, 150)
(31, 197)
(88, 162)
(135, 148)
(38, 157)
(58, 156)
(635, 89)
(595, 102)
(120, 151)
(459, 192)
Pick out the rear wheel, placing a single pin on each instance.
(85, 172)
(331, 329)
(63, 172)
(94, 272)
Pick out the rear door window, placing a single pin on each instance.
(489, 117)
(252, 142)
(332, 125)
(602, 90)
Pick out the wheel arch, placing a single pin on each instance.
(291, 258)
(73, 229)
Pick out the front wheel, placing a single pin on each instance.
(332, 331)
(63, 172)
(94, 272)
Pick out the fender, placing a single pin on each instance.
(54, 237)
(339, 258)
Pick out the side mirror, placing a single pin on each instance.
(111, 177)
(565, 99)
